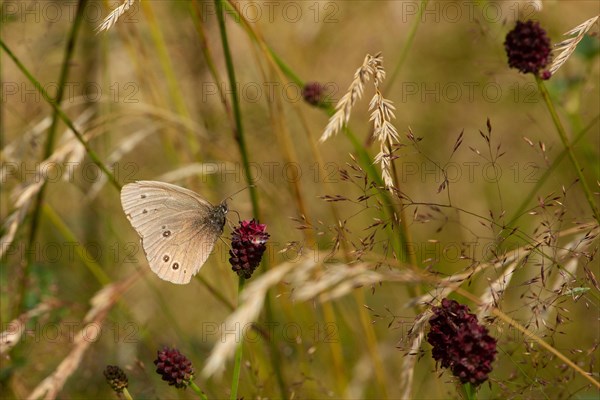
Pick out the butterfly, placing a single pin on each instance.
(178, 228)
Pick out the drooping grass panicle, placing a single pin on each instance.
(382, 113)
(252, 300)
(355, 91)
(331, 283)
(568, 46)
(385, 132)
(114, 16)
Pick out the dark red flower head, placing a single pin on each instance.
(312, 93)
(174, 367)
(528, 48)
(116, 378)
(247, 247)
(460, 343)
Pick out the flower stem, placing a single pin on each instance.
(198, 391)
(238, 354)
(407, 45)
(127, 395)
(555, 164)
(563, 136)
(241, 140)
(239, 129)
(469, 392)
(220, 6)
(162, 54)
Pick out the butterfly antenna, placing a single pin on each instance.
(241, 190)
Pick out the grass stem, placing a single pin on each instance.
(568, 147)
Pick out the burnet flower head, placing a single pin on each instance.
(174, 367)
(461, 343)
(313, 93)
(248, 243)
(116, 378)
(528, 48)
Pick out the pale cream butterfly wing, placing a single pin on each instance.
(178, 228)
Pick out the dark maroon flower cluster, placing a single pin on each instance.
(461, 343)
(247, 247)
(116, 378)
(174, 367)
(528, 48)
(312, 93)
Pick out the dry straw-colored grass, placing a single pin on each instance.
(382, 113)
(112, 18)
(565, 49)
(101, 303)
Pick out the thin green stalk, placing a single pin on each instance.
(237, 368)
(548, 173)
(240, 138)
(169, 73)
(61, 114)
(241, 141)
(469, 391)
(127, 395)
(66, 232)
(198, 391)
(48, 148)
(215, 292)
(563, 136)
(407, 45)
(208, 57)
(237, 115)
(397, 240)
(406, 235)
(398, 243)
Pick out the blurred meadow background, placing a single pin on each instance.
(486, 206)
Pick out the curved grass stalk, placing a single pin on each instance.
(529, 334)
(398, 243)
(328, 312)
(94, 268)
(548, 173)
(241, 142)
(61, 114)
(412, 33)
(268, 309)
(237, 366)
(165, 61)
(49, 146)
(237, 115)
(568, 147)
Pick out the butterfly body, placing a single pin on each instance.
(177, 227)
